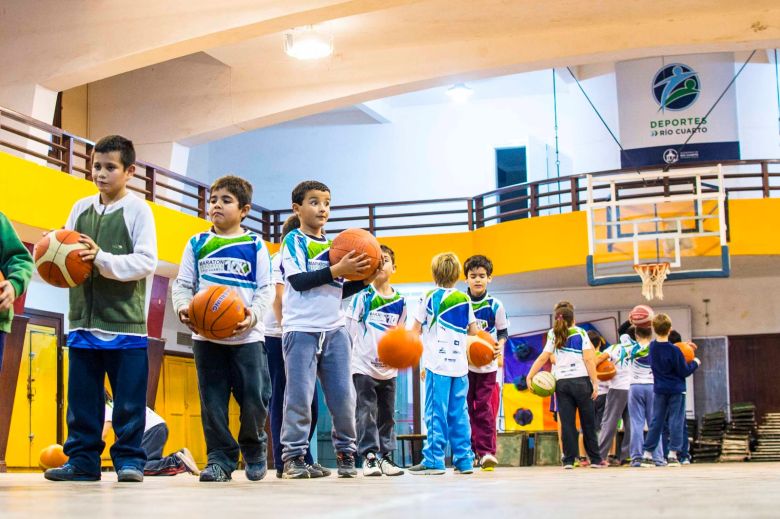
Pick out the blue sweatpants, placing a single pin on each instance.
(666, 406)
(640, 410)
(308, 356)
(447, 420)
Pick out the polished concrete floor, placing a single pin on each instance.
(709, 490)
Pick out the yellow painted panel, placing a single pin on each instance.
(514, 400)
(754, 225)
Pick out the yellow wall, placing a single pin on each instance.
(42, 197)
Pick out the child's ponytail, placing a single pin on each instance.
(563, 320)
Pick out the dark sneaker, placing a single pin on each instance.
(388, 466)
(647, 463)
(371, 466)
(636, 463)
(279, 474)
(213, 473)
(346, 465)
(296, 468)
(318, 471)
(255, 471)
(186, 457)
(422, 470)
(671, 461)
(69, 473)
(129, 475)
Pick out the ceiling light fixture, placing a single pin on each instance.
(308, 43)
(460, 93)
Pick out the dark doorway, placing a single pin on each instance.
(511, 170)
(753, 361)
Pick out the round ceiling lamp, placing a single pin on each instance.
(307, 43)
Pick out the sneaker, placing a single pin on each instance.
(68, 472)
(647, 462)
(464, 470)
(422, 470)
(129, 475)
(388, 466)
(613, 462)
(660, 463)
(568, 466)
(672, 462)
(625, 463)
(296, 468)
(582, 462)
(318, 471)
(346, 465)
(186, 457)
(488, 462)
(279, 474)
(685, 461)
(214, 473)
(255, 471)
(370, 465)
(636, 463)
(603, 464)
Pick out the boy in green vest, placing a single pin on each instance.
(108, 321)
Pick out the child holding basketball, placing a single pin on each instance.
(16, 268)
(444, 318)
(273, 347)
(616, 405)
(373, 311)
(108, 319)
(669, 373)
(314, 340)
(484, 382)
(231, 256)
(576, 384)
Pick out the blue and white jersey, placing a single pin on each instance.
(568, 358)
(445, 315)
(318, 309)
(272, 326)
(240, 262)
(641, 372)
(620, 355)
(374, 314)
(491, 317)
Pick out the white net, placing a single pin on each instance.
(653, 276)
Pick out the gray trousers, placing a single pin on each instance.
(616, 408)
(375, 414)
(308, 356)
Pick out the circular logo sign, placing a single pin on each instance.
(671, 156)
(675, 87)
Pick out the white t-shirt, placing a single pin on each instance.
(272, 328)
(568, 358)
(620, 355)
(373, 315)
(641, 372)
(445, 314)
(491, 317)
(318, 309)
(152, 418)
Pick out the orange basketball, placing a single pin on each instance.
(215, 312)
(687, 350)
(53, 456)
(605, 370)
(360, 241)
(480, 349)
(400, 348)
(57, 259)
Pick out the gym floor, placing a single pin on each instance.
(706, 490)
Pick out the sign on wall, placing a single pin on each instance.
(663, 101)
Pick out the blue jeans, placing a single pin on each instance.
(153, 444)
(683, 453)
(127, 370)
(640, 410)
(273, 348)
(665, 406)
(307, 356)
(447, 420)
(243, 371)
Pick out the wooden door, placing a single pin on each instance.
(753, 361)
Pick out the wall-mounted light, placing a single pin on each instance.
(308, 43)
(460, 93)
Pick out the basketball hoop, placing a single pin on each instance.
(653, 276)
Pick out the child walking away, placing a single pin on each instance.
(273, 347)
(373, 311)
(16, 267)
(445, 317)
(484, 382)
(576, 384)
(108, 320)
(669, 373)
(315, 342)
(230, 256)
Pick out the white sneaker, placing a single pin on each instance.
(488, 462)
(370, 465)
(189, 461)
(388, 466)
